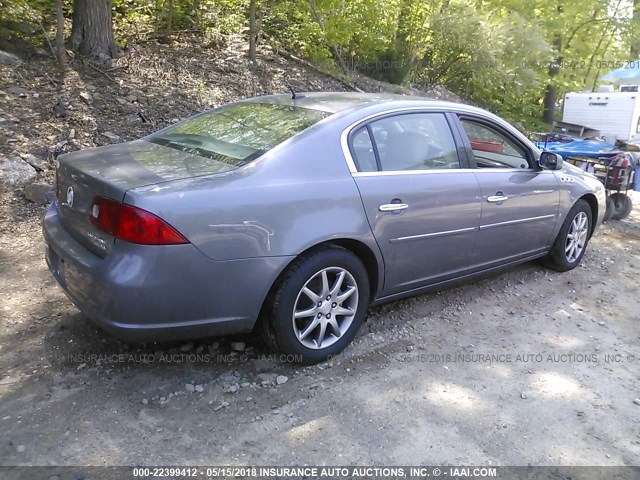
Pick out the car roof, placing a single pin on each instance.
(333, 102)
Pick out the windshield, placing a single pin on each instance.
(239, 133)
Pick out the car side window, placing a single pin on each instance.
(492, 149)
(413, 141)
(362, 151)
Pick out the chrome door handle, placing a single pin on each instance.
(392, 207)
(497, 198)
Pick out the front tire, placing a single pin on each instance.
(571, 242)
(318, 305)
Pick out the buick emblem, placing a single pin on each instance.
(70, 196)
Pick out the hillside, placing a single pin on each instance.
(44, 113)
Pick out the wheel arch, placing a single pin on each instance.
(365, 254)
(591, 199)
(360, 249)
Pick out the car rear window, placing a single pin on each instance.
(238, 133)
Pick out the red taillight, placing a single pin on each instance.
(132, 224)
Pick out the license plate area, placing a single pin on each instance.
(56, 265)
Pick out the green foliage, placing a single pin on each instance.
(501, 54)
(21, 20)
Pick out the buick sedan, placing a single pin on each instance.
(294, 214)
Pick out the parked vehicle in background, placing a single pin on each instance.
(293, 215)
(615, 115)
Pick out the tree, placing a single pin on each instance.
(635, 23)
(168, 29)
(92, 30)
(62, 55)
(253, 33)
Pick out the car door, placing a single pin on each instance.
(423, 208)
(520, 201)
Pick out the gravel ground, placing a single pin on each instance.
(525, 367)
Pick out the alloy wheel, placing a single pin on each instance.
(577, 237)
(325, 308)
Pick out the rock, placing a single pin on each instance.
(238, 346)
(637, 401)
(8, 119)
(233, 389)
(281, 379)
(121, 101)
(199, 388)
(187, 347)
(39, 193)
(145, 401)
(86, 98)
(7, 58)
(21, 92)
(224, 404)
(36, 162)
(21, 448)
(602, 324)
(249, 399)
(523, 396)
(190, 388)
(131, 98)
(15, 171)
(112, 137)
(59, 110)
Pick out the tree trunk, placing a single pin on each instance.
(635, 26)
(551, 92)
(92, 31)
(169, 26)
(62, 54)
(253, 34)
(549, 107)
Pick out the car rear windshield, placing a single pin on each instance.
(238, 133)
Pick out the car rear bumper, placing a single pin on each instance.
(148, 293)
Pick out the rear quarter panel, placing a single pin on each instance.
(297, 195)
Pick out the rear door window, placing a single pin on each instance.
(409, 141)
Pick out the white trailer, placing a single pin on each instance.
(616, 115)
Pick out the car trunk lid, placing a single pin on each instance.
(112, 170)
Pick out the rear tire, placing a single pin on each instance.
(318, 305)
(619, 205)
(571, 243)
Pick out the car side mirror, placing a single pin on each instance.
(550, 161)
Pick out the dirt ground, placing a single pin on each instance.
(418, 386)
(524, 367)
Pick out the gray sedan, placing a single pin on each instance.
(293, 215)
